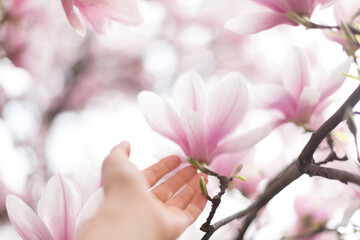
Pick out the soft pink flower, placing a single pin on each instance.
(200, 122)
(275, 14)
(59, 215)
(97, 14)
(345, 12)
(302, 96)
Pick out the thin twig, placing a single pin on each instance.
(216, 200)
(330, 158)
(302, 165)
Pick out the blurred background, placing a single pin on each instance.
(66, 100)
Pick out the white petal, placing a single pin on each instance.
(257, 22)
(189, 92)
(296, 74)
(349, 212)
(126, 11)
(89, 210)
(242, 142)
(307, 103)
(274, 96)
(195, 132)
(73, 17)
(163, 119)
(59, 207)
(334, 79)
(26, 223)
(226, 107)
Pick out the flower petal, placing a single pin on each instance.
(94, 18)
(274, 96)
(59, 207)
(189, 92)
(242, 142)
(89, 210)
(226, 107)
(296, 74)
(125, 11)
(73, 17)
(163, 119)
(26, 223)
(257, 22)
(195, 131)
(306, 105)
(334, 79)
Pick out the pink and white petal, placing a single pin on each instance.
(345, 10)
(308, 100)
(94, 18)
(73, 17)
(336, 36)
(89, 210)
(163, 119)
(189, 92)
(226, 107)
(59, 207)
(226, 163)
(275, 97)
(257, 22)
(296, 73)
(349, 212)
(242, 142)
(125, 11)
(334, 79)
(277, 5)
(195, 131)
(327, 3)
(26, 223)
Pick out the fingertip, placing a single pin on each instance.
(124, 146)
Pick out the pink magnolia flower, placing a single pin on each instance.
(276, 14)
(200, 122)
(98, 13)
(302, 96)
(59, 215)
(345, 12)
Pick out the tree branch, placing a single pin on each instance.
(292, 172)
(332, 173)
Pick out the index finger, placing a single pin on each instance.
(155, 172)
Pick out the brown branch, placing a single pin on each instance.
(290, 174)
(216, 200)
(317, 137)
(302, 165)
(334, 174)
(330, 158)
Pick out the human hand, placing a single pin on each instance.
(130, 211)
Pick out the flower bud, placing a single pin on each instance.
(236, 170)
(203, 188)
(195, 163)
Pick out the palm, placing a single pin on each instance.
(180, 210)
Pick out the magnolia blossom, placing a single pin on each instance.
(346, 12)
(303, 95)
(200, 122)
(59, 214)
(277, 13)
(98, 13)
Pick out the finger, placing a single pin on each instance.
(195, 207)
(183, 198)
(117, 169)
(155, 172)
(168, 188)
